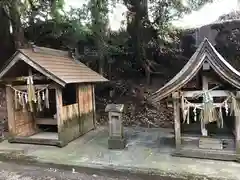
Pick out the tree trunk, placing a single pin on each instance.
(99, 24)
(18, 32)
(6, 43)
(140, 17)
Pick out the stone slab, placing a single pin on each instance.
(210, 143)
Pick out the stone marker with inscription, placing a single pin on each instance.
(116, 139)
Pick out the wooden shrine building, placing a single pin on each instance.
(50, 96)
(205, 97)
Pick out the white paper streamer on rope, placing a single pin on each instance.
(186, 105)
(22, 97)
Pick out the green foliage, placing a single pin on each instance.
(148, 26)
(228, 37)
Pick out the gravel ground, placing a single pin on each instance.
(10, 171)
(22, 172)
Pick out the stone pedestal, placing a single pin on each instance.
(116, 143)
(116, 139)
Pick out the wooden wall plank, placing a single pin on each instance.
(10, 110)
(86, 110)
(24, 123)
(70, 111)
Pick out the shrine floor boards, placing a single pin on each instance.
(148, 151)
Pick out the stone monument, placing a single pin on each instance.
(116, 138)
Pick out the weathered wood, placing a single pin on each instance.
(70, 111)
(176, 106)
(41, 141)
(205, 88)
(46, 121)
(94, 106)
(37, 87)
(211, 154)
(86, 107)
(59, 105)
(10, 110)
(25, 124)
(71, 123)
(214, 93)
(237, 129)
(22, 78)
(215, 104)
(206, 66)
(54, 52)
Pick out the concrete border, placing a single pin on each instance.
(20, 158)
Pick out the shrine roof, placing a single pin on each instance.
(55, 64)
(205, 53)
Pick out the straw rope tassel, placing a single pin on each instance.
(39, 101)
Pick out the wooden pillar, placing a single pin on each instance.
(177, 123)
(94, 106)
(237, 133)
(10, 111)
(59, 105)
(205, 88)
(80, 107)
(237, 130)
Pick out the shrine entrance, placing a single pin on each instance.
(33, 98)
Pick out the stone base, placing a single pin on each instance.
(206, 154)
(116, 143)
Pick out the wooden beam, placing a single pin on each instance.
(206, 66)
(46, 121)
(23, 78)
(10, 110)
(215, 104)
(177, 127)
(49, 51)
(214, 93)
(37, 87)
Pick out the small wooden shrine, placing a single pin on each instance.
(50, 96)
(205, 98)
